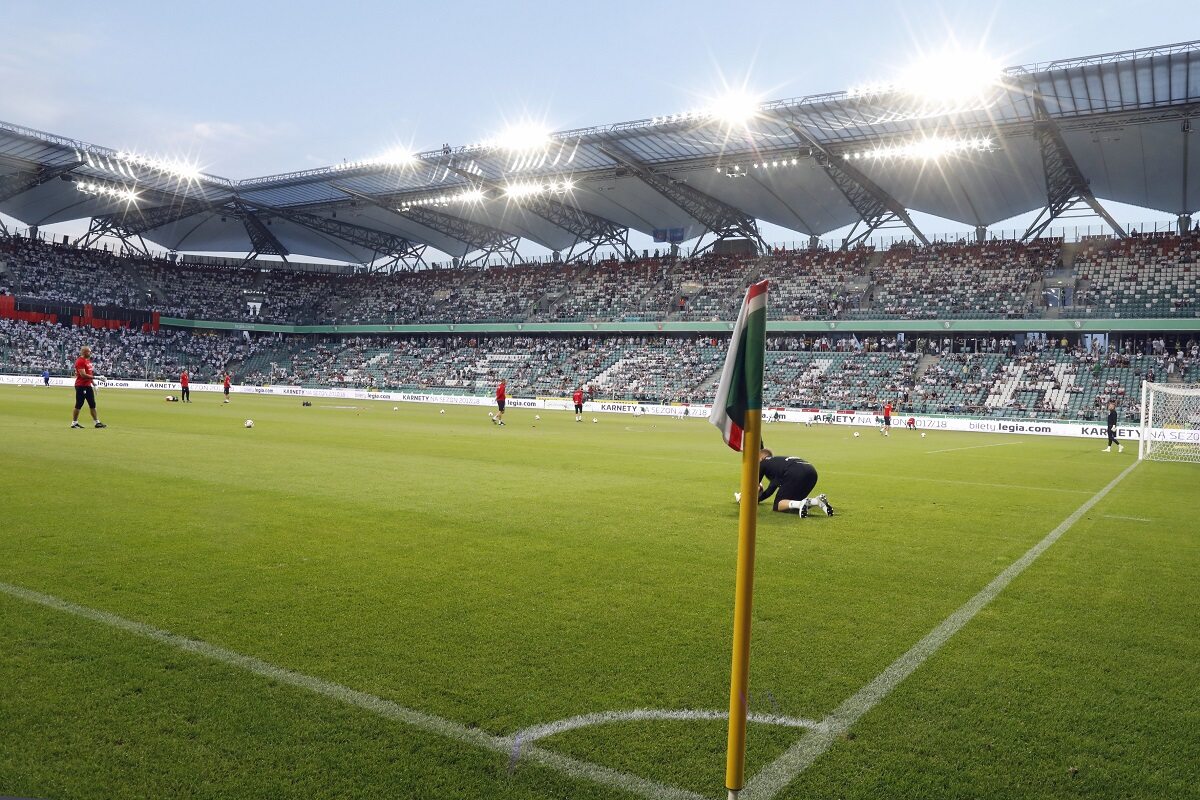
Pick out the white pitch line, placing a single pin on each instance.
(972, 447)
(507, 745)
(1131, 519)
(1022, 487)
(775, 777)
(532, 734)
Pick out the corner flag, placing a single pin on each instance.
(737, 412)
(740, 389)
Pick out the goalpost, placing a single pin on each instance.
(1170, 428)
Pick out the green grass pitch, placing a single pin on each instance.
(507, 578)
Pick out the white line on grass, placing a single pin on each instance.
(1131, 519)
(507, 745)
(532, 734)
(783, 770)
(972, 447)
(1023, 488)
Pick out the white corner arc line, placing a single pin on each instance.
(535, 732)
(775, 777)
(387, 709)
(972, 447)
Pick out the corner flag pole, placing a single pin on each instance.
(737, 413)
(739, 680)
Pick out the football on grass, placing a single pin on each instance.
(248, 423)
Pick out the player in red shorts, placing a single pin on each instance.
(577, 399)
(886, 429)
(85, 375)
(185, 394)
(501, 396)
(228, 379)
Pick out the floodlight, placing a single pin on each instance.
(733, 108)
(953, 76)
(178, 169)
(104, 190)
(929, 148)
(522, 138)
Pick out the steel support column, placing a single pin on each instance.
(263, 242)
(384, 245)
(1067, 189)
(876, 207)
(718, 217)
(591, 231)
(490, 241)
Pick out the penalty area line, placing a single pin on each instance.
(775, 777)
(506, 745)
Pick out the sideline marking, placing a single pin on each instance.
(964, 483)
(775, 777)
(505, 745)
(972, 447)
(535, 732)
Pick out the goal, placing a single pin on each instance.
(1170, 422)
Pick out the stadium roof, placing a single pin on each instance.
(1056, 136)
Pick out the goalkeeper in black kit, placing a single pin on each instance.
(791, 479)
(1112, 430)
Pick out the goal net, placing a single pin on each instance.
(1170, 422)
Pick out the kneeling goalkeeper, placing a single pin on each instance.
(793, 479)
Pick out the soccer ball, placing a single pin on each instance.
(856, 434)
(922, 434)
(443, 411)
(535, 416)
(490, 414)
(594, 420)
(248, 423)
(395, 408)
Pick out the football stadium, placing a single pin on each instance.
(398, 477)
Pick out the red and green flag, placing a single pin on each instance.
(741, 384)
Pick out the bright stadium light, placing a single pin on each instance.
(179, 169)
(930, 148)
(952, 76)
(104, 190)
(516, 191)
(521, 138)
(950, 80)
(733, 108)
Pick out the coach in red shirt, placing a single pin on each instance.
(85, 375)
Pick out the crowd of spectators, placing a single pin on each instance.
(27, 348)
(954, 279)
(1019, 377)
(1148, 275)
(1144, 275)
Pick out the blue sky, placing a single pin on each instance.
(249, 88)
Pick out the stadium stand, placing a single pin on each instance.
(998, 375)
(958, 280)
(1145, 275)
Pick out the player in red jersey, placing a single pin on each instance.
(886, 428)
(185, 394)
(226, 382)
(501, 396)
(85, 375)
(577, 399)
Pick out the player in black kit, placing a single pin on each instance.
(793, 478)
(1112, 430)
